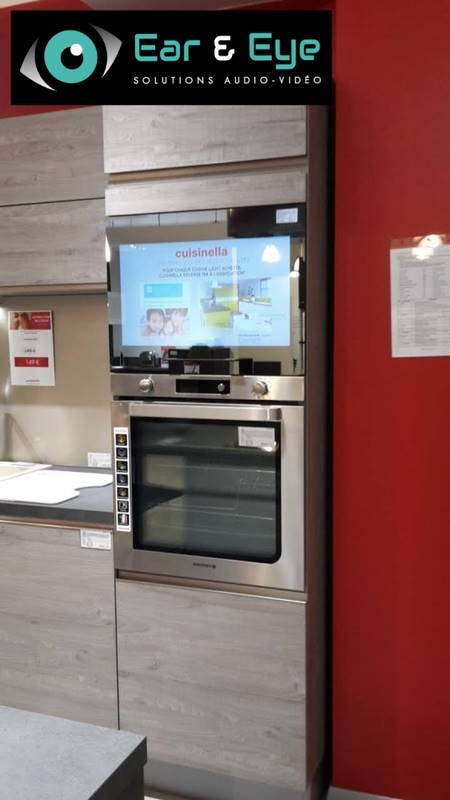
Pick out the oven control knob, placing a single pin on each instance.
(146, 385)
(260, 387)
(221, 387)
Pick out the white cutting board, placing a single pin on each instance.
(49, 487)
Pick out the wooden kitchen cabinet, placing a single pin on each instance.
(216, 681)
(51, 156)
(53, 243)
(57, 624)
(265, 186)
(139, 138)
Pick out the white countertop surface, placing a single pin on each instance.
(50, 486)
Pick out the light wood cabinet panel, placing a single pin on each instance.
(52, 243)
(138, 138)
(51, 156)
(57, 625)
(214, 680)
(197, 192)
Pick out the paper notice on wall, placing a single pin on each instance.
(420, 299)
(31, 354)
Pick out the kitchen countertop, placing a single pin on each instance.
(94, 506)
(51, 758)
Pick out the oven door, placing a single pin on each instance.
(210, 491)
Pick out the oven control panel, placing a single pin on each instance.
(122, 482)
(228, 388)
(219, 386)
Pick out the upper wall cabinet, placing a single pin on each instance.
(139, 138)
(263, 186)
(52, 156)
(53, 243)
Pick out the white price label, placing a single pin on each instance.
(95, 540)
(100, 460)
(257, 437)
(284, 215)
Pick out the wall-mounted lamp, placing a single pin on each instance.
(426, 246)
(271, 254)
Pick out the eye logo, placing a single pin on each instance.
(70, 57)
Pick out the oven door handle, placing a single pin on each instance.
(219, 412)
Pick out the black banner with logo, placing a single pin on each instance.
(128, 57)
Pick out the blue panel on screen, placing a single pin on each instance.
(229, 292)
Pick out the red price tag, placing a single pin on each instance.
(21, 361)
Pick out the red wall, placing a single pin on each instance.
(391, 682)
(392, 422)
(391, 661)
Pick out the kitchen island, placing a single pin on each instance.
(57, 759)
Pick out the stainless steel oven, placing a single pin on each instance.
(209, 477)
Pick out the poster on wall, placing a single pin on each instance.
(420, 296)
(31, 355)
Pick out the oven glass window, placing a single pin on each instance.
(206, 488)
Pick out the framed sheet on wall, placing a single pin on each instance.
(420, 296)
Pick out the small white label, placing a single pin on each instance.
(263, 438)
(101, 460)
(286, 215)
(95, 540)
